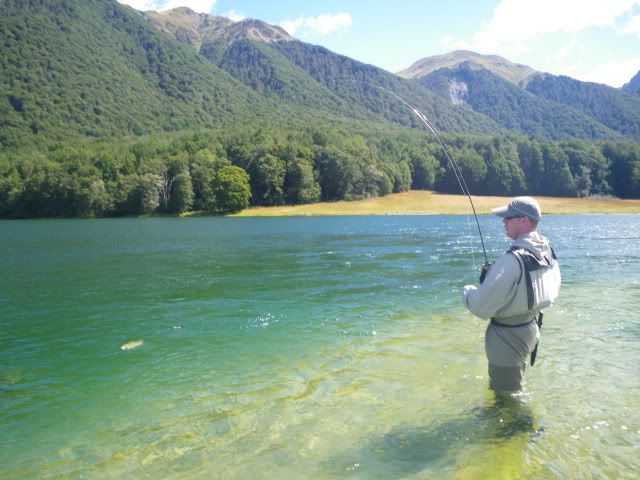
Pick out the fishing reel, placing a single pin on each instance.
(483, 271)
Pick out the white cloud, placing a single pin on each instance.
(234, 16)
(515, 21)
(200, 6)
(632, 26)
(565, 51)
(451, 43)
(321, 25)
(615, 73)
(141, 5)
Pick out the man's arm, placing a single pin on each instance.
(497, 291)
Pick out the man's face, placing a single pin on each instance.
(516, 226)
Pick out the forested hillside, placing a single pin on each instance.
(513, 107)
(94, 68)
(615, 108)
(532, 102)
(633, 85)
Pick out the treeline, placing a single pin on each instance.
(223, 172)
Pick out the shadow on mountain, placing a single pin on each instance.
(409, 449)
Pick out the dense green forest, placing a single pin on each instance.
(535, 111)
(222, 171)
(92, 68)
(616, 108)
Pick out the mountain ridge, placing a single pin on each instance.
(633, 85)
(200, 28)
(512, 72)
(99, 68)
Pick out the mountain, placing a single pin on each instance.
(274, 64)
(511, 106)
(615, 108)
(95, 68)
(511, 72)
(198, 28)
(634, 84)
(522, 99)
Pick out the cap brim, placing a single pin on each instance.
(500, 211)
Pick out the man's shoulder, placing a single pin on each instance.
(509, 260)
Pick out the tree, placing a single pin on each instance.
(267, 173)
(401, 177)
(300, 184)
(231, 189)
(471, 165)
(11, 186)
(424, 169)
(203, 167)
(530, 155)
(557, 179)
(625, 168)
(588, 166)
(181, 193)
(337, 172)
(504, 175)
(136, 195)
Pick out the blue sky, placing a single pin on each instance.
(590, 40)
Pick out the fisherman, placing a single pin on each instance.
(516, 288)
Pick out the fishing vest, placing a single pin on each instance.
(542, 277)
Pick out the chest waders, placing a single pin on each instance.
(534, 267)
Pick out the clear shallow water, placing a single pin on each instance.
(306, 348)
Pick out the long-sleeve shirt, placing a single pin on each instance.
(503, 294)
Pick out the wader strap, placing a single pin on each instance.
(498, 324)
(534, 353)
(522, 261)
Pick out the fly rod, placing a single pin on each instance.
(454, 165)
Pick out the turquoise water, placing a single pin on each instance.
(312, 348)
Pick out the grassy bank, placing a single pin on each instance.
(422, 202)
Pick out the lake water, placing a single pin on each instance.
(307, 348)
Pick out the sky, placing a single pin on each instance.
(589, 40)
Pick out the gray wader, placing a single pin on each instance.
(508, 349)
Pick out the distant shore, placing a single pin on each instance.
(422, 202)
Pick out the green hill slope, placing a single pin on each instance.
(307, 77)
(514, 107)
(633, 85)
(97, 68)
(615, 108)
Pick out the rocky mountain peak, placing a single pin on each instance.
(257, 30)
(197, 28)
(512, 72)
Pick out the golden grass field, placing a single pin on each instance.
(421, 202)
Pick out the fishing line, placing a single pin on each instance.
(454, 165)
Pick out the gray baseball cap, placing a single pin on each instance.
(518, 207)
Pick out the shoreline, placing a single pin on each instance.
(426, 202)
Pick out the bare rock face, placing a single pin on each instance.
(257, 30)
(458, 92)
(196, 29)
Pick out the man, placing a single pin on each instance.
(517, 286)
